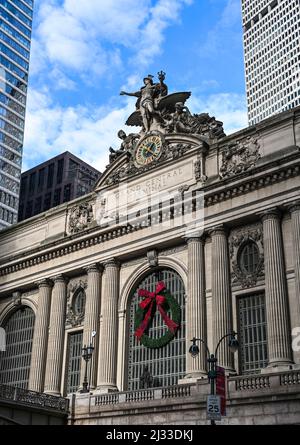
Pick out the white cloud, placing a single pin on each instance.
(86, 132)
(87, 37)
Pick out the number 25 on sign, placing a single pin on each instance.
(214, 407)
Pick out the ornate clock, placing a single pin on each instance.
(148, 150)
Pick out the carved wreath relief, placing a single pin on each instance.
(239, 157)
(80, 218)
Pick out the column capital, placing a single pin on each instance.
(45, 282)
(60, 279)
(196, 238)
(95, 267)
(293, 206)
(273, 213)
(218, 230)
(111, 262)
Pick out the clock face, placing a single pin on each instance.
(149, 150)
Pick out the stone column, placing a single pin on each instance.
(56, 337)
(278, 326)
(196, 308)
(221, 297)
(40, 337)
(107, 369)
(295, 217)
(91, 319)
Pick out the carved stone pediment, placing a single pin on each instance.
(239, 157)
(80, 218)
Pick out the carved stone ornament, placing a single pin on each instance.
(74, 318)
(169, 152)
(239, 157)
(237, 240)
(17, 299)
(80, 218)
(152, 258)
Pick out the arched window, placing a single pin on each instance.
(249, 258)
(15, 361)
(166, 364)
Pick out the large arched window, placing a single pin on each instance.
(165, 365)
(15, 362)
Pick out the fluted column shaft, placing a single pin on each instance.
(40, 338)
(107, 369)
(91, 319)
(56, 337)
(278, 328)
(221, 297)
(196, 307)
(295, 216)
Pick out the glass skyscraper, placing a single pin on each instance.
(15, 39)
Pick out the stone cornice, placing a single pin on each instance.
(248, 184)
(91, 237)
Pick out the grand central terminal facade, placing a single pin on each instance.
(188, 233)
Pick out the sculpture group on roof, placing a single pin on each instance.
(156, 110)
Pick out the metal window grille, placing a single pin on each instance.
(166, 364)
(253, 333)
(74, 361)
(249, 258)
(15, 362)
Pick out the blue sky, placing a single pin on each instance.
(84, 52)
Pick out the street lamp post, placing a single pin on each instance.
(87, 353)
(212, 358)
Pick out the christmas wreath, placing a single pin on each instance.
(162, 300)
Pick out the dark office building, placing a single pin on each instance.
(54, 182)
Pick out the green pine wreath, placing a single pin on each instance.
(170, 304)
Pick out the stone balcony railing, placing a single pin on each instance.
(237, 387)
(169, 392)
(32, 399)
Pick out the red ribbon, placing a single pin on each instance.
(150, 299)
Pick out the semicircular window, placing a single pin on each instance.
(79, 302)
(249, 258)
(161, 366)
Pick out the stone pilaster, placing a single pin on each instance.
(196, 307)
(91, 319)
(278, 326)
(40, 338)
(56, 337)
(295, 217)
(107, 368)
(221, 297)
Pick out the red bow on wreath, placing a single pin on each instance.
(150, 299)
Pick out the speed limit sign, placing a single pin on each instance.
(214, 407)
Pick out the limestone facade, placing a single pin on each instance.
(252, 197)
